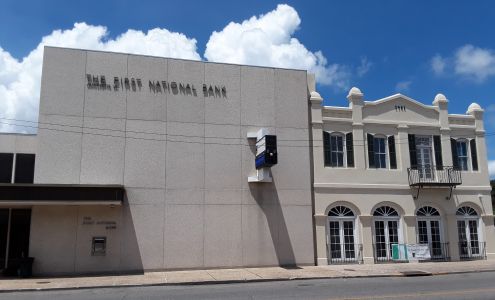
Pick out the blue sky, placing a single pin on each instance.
(418, 48)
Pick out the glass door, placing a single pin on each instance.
(468, 238)
(424, 157)
(4, 227)
(386, 234)
(341, 238)
(429, 233)
(15, 227)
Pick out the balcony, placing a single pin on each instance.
(433, 176)
(383, 253)
(352, 254)
(472, 250)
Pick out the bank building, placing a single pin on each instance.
(143, 163)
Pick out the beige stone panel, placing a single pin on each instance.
(220, 108)
(295, 234)
(223, 196)
(145, 103)
(223, 236)
(257, 96)
(63, 77)
(184, 236)
(137, 196)
(149, 222)
(187, 105)
(59, 149)
(222, 166)
(290, 102)
(106, 103)
(260, 225)
(52, 241)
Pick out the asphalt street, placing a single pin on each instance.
(457, 286)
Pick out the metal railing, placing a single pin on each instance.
(472, 250)
(382, 252)
(431, 175)
(439, 252)
(352, 254)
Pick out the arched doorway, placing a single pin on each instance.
(429, 231)
(386, 221)
(470, 245)
(341, 236)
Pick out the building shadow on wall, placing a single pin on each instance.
(130, 255)
(267, 198)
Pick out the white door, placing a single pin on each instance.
(468, 237)
(386, 234)
(429, 233)
(341, 239)
(424, 157)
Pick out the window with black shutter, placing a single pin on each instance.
(350, 150)
(455, 157)
(412, 150)
(437, 144)
(326, 148)
(474, 155)
(391, 152)
(24, 168)
(371, 151)
(6, 161)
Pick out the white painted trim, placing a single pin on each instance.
(399, 95)
(390, 186)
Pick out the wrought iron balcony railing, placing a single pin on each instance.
(430, 175)
(352, 254)
(472, 250)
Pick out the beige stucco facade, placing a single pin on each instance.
(182, 154)
(363, 189)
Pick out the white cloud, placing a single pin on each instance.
(403, 86)
(267, 41)
(20, 79)
(438, 64)
(491, 168)
(364, 67)
(468, 62)
(474, 62)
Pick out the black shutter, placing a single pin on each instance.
(474, 155)
(437, 144)
(455, 158)
(412, 150)
(371, 151)
(326, 148)
(350, 150)
(391, 152)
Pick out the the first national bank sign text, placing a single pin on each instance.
(131, 84)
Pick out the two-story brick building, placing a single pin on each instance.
(396, 171)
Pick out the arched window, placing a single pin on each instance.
(466, 211)
(385, 211)
(342, 235)
(341, 211)
(468, 233)
(427, 211)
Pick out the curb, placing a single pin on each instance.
(234, 281)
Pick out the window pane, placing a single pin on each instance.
(24, 168)
(6, 160)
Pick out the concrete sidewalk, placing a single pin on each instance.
(216, 276)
